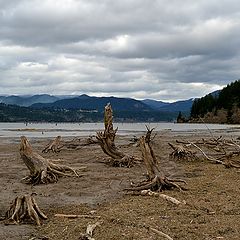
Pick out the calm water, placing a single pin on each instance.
(86, 129)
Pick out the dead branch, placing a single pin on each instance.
(75, 216)
(164, 196)
(159, 233)
(217, 150)
(106, 140)
(225, 160)
(24, 208)
(41, 169)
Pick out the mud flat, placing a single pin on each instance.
(212, 209)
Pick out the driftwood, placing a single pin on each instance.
(75, 216)
(54, 145)
(77, 143)
(58, 144)
(106, 140)
(89, 231)
(41, 169)
(156, 181)
(217, 150)
(24, 208)
(162, 234)
(164, 196)
(181, 152)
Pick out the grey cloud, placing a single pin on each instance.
(166, 50)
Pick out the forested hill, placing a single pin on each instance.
(223, 107)
(14, 113)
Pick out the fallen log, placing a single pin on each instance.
(58, 144)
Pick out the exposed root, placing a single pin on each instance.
(158, 184)
(24, 208)
(41, 169)
(180, 152)
(156, 181)
(54, 146)
(126, 161)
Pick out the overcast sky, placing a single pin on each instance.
(158, 49)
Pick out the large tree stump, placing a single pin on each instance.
(106, 141)
(156, 180)
(24, 208)
(41, 169)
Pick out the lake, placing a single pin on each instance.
(87, 129)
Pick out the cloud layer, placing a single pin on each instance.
(166, 50)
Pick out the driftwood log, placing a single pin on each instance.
(41, 169)
(217, 150)
(58, 144)
(156, 180)
(106, 140)
(24, 208)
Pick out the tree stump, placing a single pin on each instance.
(106, 141)
(180, 152)
(41, 169)
(156, 181)
(54, 145)
(24, 208)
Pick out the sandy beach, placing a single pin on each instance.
(212, 208)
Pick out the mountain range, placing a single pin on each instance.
(85, 102)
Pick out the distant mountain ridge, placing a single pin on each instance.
(27, 101)
(95, 103)
(86, 102)
(178, 106)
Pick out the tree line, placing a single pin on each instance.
(221, 107)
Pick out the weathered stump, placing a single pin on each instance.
(181, 152)
(156, 180)
(54, 145)
(41, 169)
(24, 208)
(106, 141)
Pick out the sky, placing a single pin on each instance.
(157, 49)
